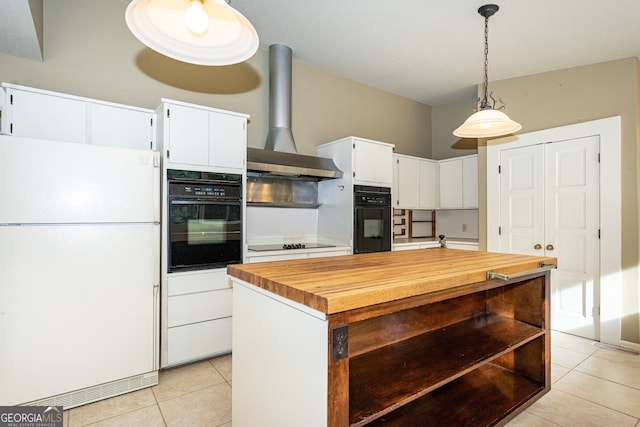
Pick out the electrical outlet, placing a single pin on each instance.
(464, 227)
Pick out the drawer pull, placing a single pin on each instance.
(543, 267)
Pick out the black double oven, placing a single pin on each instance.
(204, 220)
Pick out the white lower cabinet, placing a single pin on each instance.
(469, 246)
(411, 246)
(200, 307)
(193, 342)
(278, 257)
(198, 314)
(465, 246)
(297, 255)
(405, 247)
(328, 253)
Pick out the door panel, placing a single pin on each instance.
(571, 229)
(521, 204)
(549, 205)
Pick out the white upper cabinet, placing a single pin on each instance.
(121, 127)
(406, 188)
(362, 161)
(40, 115)
(458, 183)
(227, 139)
(428, 188)
(450, 184)
(415, 182)
(35, 113)
(194, 135)
(372, 164)
(188, 135)
(470, 182)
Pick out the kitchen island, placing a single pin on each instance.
(422, 337)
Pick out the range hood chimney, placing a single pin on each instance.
(280, 158)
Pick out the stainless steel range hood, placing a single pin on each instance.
(279, 158)
(290, 165)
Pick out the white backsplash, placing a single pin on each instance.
(461, 223)
(281, 224)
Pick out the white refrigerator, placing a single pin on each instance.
(79, 271)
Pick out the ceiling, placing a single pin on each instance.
(427, 50)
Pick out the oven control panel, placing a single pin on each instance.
(199, 190)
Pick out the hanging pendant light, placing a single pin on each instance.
(486, 122)
(203, 32)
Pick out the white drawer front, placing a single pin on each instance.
(405, 247)
(199, 340)
(328, 253)
(282, 257)
(468, 247)
(185, 309)
(430, 245)
(197, 281)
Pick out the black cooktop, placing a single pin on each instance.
(288, 246)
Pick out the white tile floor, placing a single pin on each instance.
(591, 386)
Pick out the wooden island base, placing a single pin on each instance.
(461, 350)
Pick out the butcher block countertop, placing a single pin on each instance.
(341, 283)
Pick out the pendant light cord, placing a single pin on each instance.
(484, 103)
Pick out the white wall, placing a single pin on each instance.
(451, 222)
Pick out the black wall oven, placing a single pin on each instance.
(204, 220)
(372, 219)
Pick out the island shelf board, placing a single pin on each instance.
(502, 391)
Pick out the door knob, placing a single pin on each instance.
(537, 247)
(549, 247)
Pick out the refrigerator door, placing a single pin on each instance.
(77, 307)
(45, 181)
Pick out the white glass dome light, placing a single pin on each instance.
(218, 34)
(487, 123)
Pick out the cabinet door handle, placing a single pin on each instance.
(543, 267)
(549, 247)
(537, 247)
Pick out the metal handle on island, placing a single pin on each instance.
(543, 267)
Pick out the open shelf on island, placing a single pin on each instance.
(409, 369)
(484, 396)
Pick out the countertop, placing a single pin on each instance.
(340, 283)
(414, 240)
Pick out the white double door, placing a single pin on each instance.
(549, 205)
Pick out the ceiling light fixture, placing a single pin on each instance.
(202, 32)
(487, 121)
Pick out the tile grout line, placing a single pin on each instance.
(603, 379)
(155, 398)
